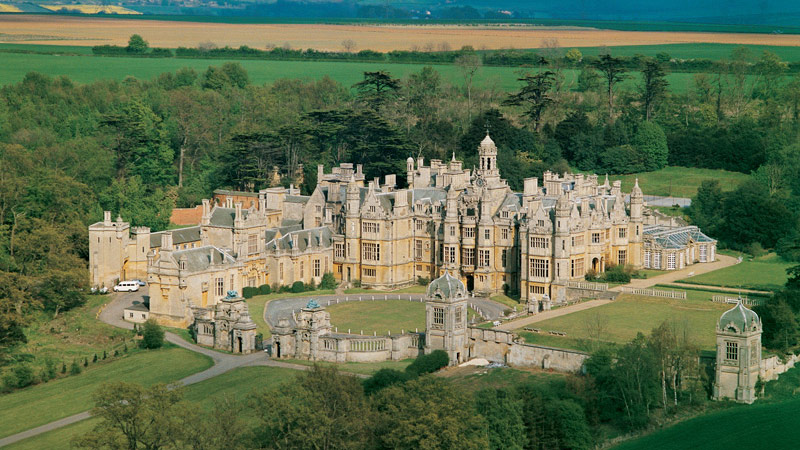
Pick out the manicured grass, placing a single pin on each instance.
(679, 181)
(237, 383)
(355, 367)
(506, 300)
(764, 273)
(378, 316)
(769, 423)
(631, 314)
(37, 405)
(257, 304)
(417, 289)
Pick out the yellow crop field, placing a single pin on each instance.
(77, 30)
(9, 8)
(92, 9)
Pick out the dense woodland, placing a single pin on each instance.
(141, 147)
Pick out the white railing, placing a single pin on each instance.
(588, 285)
(722, 298)
(654, 292)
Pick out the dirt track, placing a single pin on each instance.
(64, 30)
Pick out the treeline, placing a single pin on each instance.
(571, 58)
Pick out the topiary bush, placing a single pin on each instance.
(429, 363)
(298, 287)
(423, 281)
(152, 335)
(328, 281)
(249, 292)
(264, 289)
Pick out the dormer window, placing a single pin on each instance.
(504, 214)
(371, 209)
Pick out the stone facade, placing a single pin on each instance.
(226, 326)
(738, 362)
(467, 223)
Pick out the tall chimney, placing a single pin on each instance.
(107, 218)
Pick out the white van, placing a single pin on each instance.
(127, 286)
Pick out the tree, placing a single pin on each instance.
(534, 96)
(377, 88)
(651, 142)
(468, 63)
(588, 80)
(429, 413)
(320, 409)
(574, 56)
(614, 71)
(137, 44)
(502, 410)
(384, 378)
(134, 417)
(780, 324)
(654, 86)
(153, 335)
(348, 45)
(706, 208)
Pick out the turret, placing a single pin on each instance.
(487, 154)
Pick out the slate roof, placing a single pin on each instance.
(743, 319)
(315, 237)
(675, 238)
(223, 217)
(179, 236)
(137, 307)
(449, 286)
(201, 258)
(435, 195)
(297, 198)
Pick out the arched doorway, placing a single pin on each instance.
(595, 265)
(470, 282)
(348, 274)
(239, 341)
(277, 349)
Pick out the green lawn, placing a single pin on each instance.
(37, 405)
(769, 423)
(506, 300)
(764, 273)
(473, 380)
(378, 316)
(87, 68)
(679, 181)
(630, 314)
(237, 383)
(356, 367)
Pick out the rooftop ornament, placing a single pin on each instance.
(312, 304)
(232, 294)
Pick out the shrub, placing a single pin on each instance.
(75, 368)
(617, 274)
(429, 363)
(94, 360)
(23, 375)
(152, 336)
(63, 367)
(755, 249)
(423, 281)
(311, 286)
(264, 289)
(249, 292)
(385, 378)
(298, 287)
(85, 362)
(356, 283)
(49, 370)
(328, 281)
(105, 355)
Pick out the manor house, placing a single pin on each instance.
(449, 218)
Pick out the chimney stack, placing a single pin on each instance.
(166, 241)
(107, 218)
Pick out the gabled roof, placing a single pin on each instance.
(201, 258)
(315, 237)
(223, 217)
(179, 236)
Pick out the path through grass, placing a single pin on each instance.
(44, 403)
(764, 273)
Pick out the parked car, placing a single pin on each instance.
(127, 286)
(141, 283)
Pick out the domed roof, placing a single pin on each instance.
(740, 319)
(446, 287)
(487, 141)
(410, 160)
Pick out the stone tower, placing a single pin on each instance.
(738, 355)
(636, 226)
(446, 318)
(487, 153)
(108, 242)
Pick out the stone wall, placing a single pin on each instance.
(773, 366)
(499, 346)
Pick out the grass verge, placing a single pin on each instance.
(767, 273)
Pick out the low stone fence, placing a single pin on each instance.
(654, 292)
(503, 347)
(771, 367)
(723, 298)
(587, 285)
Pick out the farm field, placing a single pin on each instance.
(40, 404)
(86, 69)
(72, 30)
(764, 273)
(237, 383)
(378, 316)
(769, 423)
(631, 314)
(679, 181)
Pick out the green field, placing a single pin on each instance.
(679, 181)
(764, 273)
(86, 69)
(378, 316)
(237, 383)
(695, 50)
(40, 404)
(631, 314)
(769, 423)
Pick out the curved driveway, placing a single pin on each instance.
(283, 307)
